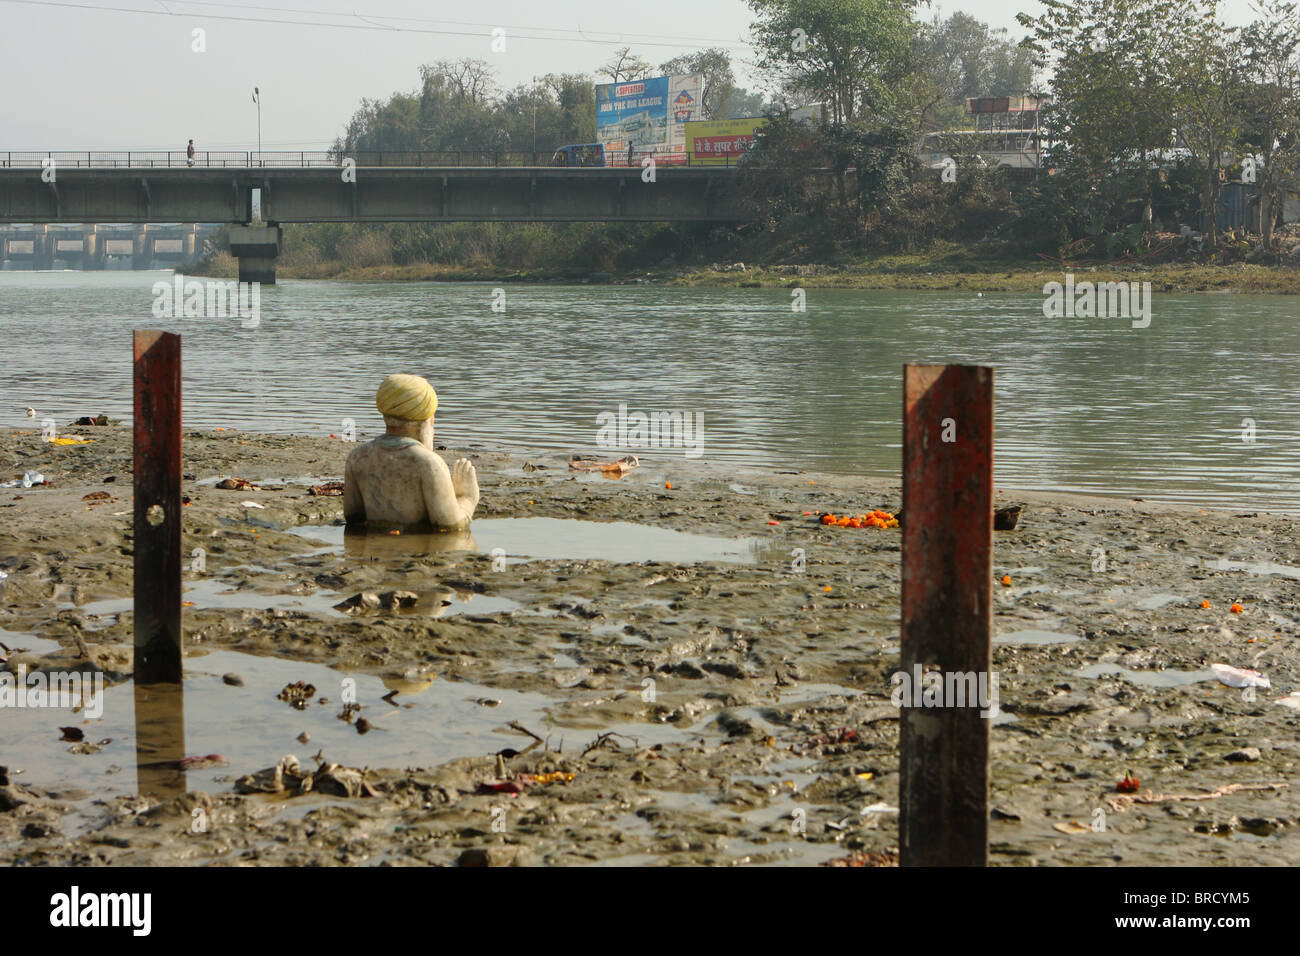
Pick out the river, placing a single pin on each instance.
(1083, 404)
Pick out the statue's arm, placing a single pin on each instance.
(354, 506)
(449, 502)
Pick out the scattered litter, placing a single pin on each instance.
(28, 479)
(1071, 826)
(252, 504)
(1291, 700)
(71, 440)
(288, 776)
(235, 484)
(329, 489)
(72, 733)
(877, 808)
(873, 858)
(1004, 519)
(1124, 801)
(1238, 676)
(1129, 784)
(619, 467)
(370, 601)
(297, 694)
(100, 419)
(96, 496)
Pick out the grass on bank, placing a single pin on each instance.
(981, 267)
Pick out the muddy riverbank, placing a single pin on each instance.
(715, 701)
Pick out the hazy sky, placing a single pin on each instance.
(80, 75)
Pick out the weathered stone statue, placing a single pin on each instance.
(397, 481)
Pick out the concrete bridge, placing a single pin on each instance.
(90, 247)
(39, 189)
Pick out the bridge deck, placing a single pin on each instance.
(368, 194)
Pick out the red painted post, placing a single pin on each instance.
(947, 595)
(157, 507)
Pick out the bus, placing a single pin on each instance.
(1011, 148)
(586, 154)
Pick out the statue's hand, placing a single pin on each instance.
(464, 480)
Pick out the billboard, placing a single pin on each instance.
(720, 142)
(647, 116)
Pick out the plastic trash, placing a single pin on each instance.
(28, 479)
(1238, 676)
(1291, 700)
(877, 808)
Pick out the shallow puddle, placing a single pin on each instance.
(1167, 678)
(550, 539)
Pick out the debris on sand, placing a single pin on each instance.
(620, 467)
(886, 857)
(1231, 676)
(1124, 801)
(330, 489)
(287, 776)
(1004, 519)
(297, 695)
(235, 484)
(371, 601)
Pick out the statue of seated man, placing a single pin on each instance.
(397, 481)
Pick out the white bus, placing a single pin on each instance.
(1013, 148)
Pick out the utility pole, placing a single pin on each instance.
(534, 120)
(257, 98)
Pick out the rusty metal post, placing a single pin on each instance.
(157, 507)
(947, 584)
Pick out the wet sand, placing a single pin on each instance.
(714, 706)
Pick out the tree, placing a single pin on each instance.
(962, 57)
(1271, 106)
(1206, 65)
(719, 79)
(850, 54)
(1115, 97)
(625, 67)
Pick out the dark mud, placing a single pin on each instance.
(710, 711)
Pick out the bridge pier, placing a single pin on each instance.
(92, 248)
(256, 248)
(142, 248)
(43, 243)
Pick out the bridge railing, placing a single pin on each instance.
(302, 159)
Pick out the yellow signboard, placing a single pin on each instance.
(720, 142)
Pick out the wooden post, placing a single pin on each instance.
(947, 584)
(157, 507)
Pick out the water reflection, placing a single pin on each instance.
(159, 739)
(359, 543)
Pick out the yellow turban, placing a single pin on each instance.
(408, 397)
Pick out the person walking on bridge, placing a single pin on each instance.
(189, 154)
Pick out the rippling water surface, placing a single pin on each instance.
(1087, 405)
